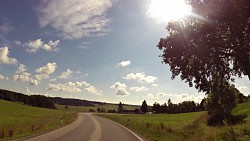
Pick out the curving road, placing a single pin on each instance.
(90, 128)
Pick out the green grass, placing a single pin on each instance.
(187, 126)
(18, 120)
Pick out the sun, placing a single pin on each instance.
(168, 10)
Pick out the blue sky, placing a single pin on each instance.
(103, 50)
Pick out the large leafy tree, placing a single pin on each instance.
(215, 40)
(210, 48)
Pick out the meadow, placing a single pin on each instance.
(185, 126)
(18, 120)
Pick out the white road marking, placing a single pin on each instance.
(139, 138)
(96, 135)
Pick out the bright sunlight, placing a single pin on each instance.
(168, 10)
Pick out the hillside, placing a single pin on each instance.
(17, 120)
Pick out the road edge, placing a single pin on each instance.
(137, 136)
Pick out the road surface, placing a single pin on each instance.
(90, 128)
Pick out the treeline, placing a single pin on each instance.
(189, 106)
(183, 107)
(76, 102)
(32, 100)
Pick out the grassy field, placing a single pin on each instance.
(187, 126)
(18, 120)
(86, 108)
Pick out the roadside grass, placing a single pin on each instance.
(106, 107)
(18, 120)
(185, 126)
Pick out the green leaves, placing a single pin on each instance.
(216, 40)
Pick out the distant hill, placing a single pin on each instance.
(43, 101)
(76, 102)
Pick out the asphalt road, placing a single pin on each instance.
(90, 128)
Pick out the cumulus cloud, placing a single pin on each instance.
(45, 71)
(120, 89)
(187, 97)
(6, 27)
(151, 96)
(2, 77)
(76, 18)
(4, 56)
(140, 77)
(139, 89)
(74, 87)
(33, 46)
(242, 88)
(66, 74)
(67, 87)
(91, 89)
(123, 63)
(22, 75)
(158, 95)
(18, 42)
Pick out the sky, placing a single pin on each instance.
(99, 50)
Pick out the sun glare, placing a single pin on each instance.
(168, 10)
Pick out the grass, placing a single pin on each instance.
(187, 126)
(18, 120)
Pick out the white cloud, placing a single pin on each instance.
(4, 56)
(76, 18)
(123, 63)
(139, 89)
(120, 89)
(33, 46)
(22, 75)
(188, 97)
(2, 77)
(45, 71)
(6, 27)
(18, 42)
(158, 95)
(155, 85)
(91, 89)
(74, 87)
(141, 77)
(242, 88)
(67, 87)
(66, 74)
(151, 96)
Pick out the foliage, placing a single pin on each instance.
(120, 108)
(33, 100)
(214, 42)
(221, 100)
(183, 107)
(144, 107)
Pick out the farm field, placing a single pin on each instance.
(18, 120)
(186, 126)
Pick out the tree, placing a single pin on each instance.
(120, 108)
(98, 109)
(156, 107)
(215, 43)
(196, 49)
(144, 107)
(221, 100)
